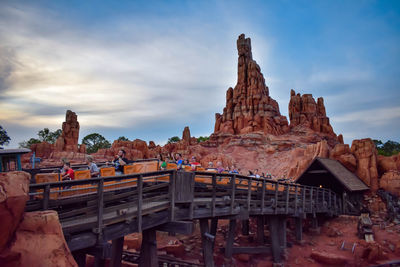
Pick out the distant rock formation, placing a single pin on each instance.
(68, 141)
(303, 110)
(186, 134)
(249, 107)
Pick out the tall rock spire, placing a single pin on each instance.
(249, 107)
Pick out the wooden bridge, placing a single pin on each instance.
(95, 211)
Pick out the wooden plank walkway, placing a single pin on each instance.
(102, 209)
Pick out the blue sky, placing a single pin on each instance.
(146, 69)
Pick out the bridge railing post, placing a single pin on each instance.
(140, 202)
(214, 189)
(46, 197)
(263, 197)
(233, 186)
(276, 198)
(100, 210)
(172, 180)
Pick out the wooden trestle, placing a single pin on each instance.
(98, 210)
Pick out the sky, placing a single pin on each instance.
(147, 69)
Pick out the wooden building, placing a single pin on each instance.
(329, 173)
(10, 159)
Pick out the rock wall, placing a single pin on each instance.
(249, 107)
(303, 110)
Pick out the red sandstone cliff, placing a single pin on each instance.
(249, 107)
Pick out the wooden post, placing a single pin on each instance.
(314, 222)
(304, 199)
(230, 238)
(207, 241)
(116, 252)
(245, 227)
(260, 229)
(276, 197)
(299, 228)
(46, 197)
(273, 222)
(233, 185)
(148, 250)
(213, 229)
(99, 260)
(100, 205)
(172, 179)
(287, 198)
(214, 188)
(140, 202)
(249, 194)
(282, 231)
(296, 213)
(263, 196)
(311, 200)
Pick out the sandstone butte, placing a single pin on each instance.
(250, 134)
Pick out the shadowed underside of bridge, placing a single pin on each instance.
(95, 211)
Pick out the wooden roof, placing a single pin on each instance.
(348, 179)
(4, 152)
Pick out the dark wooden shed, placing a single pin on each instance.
(329, 173)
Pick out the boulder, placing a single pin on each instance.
(329, 258)
(186, 135)
(390, 181)
(365, 153)
(39, 241)
(14, 189)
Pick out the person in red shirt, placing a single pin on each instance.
(69, 172)
(194, 164)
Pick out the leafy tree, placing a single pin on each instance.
(122, 138)
(94, 142)
(202, 139)
(4, 138)
(48, 136)
(387, 149)
(27, 144)
(173, 139)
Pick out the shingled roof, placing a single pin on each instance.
(348, 179)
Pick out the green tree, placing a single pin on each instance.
(49, 136)
(27, 144)
(173, 139)
(387, 149)
(94, 142)
(4, 138)
(202, 139)
(122, 138)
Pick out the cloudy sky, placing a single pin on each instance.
(147, 69)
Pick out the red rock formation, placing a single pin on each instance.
(39, 241)
(136, 149)
(42, 150)
(14, 189)
(186, 135)
(386, 164)
(365, 152)
(342, 153)
(68, 141)
(390, 181)
(303, 110)
(249, 107)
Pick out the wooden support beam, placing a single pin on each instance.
(263, 196)
(180, 227)
(260, 229)
(273, 222)
(148, 250)
(213, 229)
(207, 241)
(99, 259)
(299, 228)
(230, 239)
(245, 227)
(214, 188)
(318, 172)
(80, 257)
(116, 252)
(46, 197)
(282, 232)
(314, 222)
(233, 185)
(172, 180)
(276, 198)
(100, 210)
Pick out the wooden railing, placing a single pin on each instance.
(144, 200)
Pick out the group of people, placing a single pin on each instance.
(67, 173)
(120, 160)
